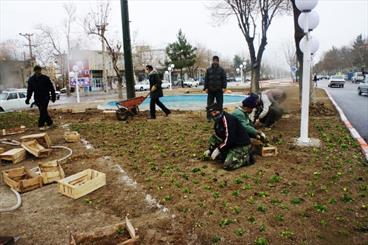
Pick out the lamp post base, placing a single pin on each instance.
(309, 142)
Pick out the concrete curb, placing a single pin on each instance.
(353, 131)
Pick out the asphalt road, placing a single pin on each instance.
(354, 106)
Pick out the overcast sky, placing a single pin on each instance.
(156, 22)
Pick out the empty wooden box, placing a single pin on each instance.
(265, 151)
(51, 172)
(42, 138)
(14, 155)
(22, 179)
(71, 136)
(82, 183)
(10, 131)
(35, 148)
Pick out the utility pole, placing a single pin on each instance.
(129, 76)
(101, 29)
(28, 37)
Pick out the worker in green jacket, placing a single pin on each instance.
(242, 114)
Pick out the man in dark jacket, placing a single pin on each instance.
(215, 84)
(156, 92)
(41, 86)
(230, 143)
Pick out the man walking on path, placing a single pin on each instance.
(42, 87)
(215, 84)
(156, 92)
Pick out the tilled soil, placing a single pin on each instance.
(156, 175)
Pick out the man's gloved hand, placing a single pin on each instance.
(27, 101)
(262, 137)
(215, 154)
(207, 153)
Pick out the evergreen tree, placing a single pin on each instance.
(181, 53)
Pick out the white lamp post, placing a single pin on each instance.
(76, 72)
(169, 72)
(307, 22)
(241, 73)
(244, 73)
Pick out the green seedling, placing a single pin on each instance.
(262, 194)
(279, 217)
(285, 191)
(168, 198)
(223, 184)
(346, 198)
(296, 200)
(261, 241)
(275, 201)
(239, 232)
(236, 193)
(261, 208)
(186, 190)
(216, 238)
(247, 187)
(120, 230)
(238, 181)
(195, 170)
(320, 208)
(216, 195)
(262, 228)
(225, 222)
(275, 179)
(236, 210)
(251, 219)
(88, 201)
(244, 176)
(287, 234)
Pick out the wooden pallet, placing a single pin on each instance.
(42, 138)
(51, 172)
(11, 131)
(35, 148)
(82, 183)
(22, 179)
(14, 155)
(71, 136)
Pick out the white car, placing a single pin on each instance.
(13, 99)
(337, 81)
(363, 86)
(142, 86)
(191, 83)
(165, 84)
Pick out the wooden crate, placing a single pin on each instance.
(71, 136)
(51, 172)
(82, 183)
(42, 138)
(22, 179)
(265, 151)
(11, 131)
(14, 155)
(2, 150)
(36, 149)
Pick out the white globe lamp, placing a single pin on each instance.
(306, 5)
(313, 20)
(313, 42)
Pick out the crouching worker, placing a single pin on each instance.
(242, 113)
(230, 144)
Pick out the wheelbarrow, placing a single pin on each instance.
(129, 107)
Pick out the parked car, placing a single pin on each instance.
(13, 99)
(165, 84)
(337, 81)
(357, 77)
(63, 90)
(363, 87)
(142, 86)
(191, 83)
(57, 93)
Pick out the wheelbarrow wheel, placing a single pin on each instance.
(122, 114)
(135, 110)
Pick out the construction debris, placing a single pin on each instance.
(11, 131)
(22, 179)
(82, 183)
(36, 149)
(14, 155)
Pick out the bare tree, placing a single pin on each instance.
(249, 14)
(70, 10)
(92, 24)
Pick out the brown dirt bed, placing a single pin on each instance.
(302, 196)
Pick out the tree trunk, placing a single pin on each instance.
(256, 75)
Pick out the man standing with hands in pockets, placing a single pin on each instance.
(215, 84)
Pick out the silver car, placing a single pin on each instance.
(363, 86)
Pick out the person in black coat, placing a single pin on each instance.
(230, 144)
(156, 92)
(215, 84)
(42, 87)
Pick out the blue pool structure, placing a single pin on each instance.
(182, 102)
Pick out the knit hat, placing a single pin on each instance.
(214, 107)
(250, 101)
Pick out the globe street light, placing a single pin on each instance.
(308, 20)
(169, 72)
(245, 74)
(76, 73)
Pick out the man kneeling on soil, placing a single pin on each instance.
(230, 144)
(268, 109)
(242, 114)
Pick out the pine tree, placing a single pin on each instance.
(181, 53)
